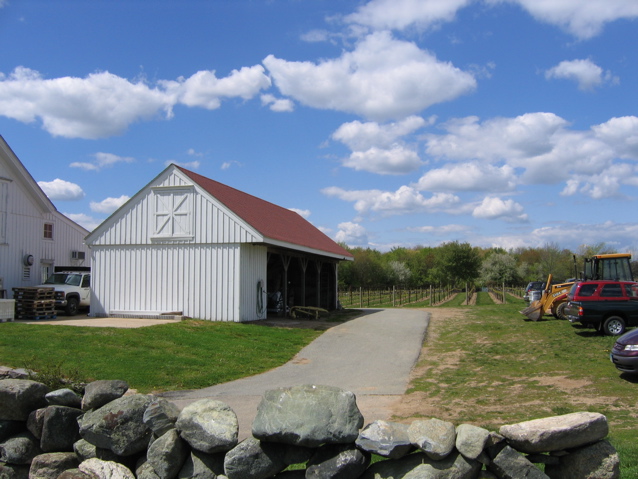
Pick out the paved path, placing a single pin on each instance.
(372, 356)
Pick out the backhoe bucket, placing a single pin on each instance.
(534, 311)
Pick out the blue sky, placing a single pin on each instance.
(510, 123)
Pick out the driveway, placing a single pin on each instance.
(372, 356)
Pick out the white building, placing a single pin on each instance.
(187, 244)
(34, 236)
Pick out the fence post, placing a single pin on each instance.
(360, 296)
(504, 292)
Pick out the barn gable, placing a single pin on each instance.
(172, 209)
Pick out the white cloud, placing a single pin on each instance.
(401, 14)
(227, 164)
(405, 200)
(102, 160)
(394, 161)
(102, 104)
(608, 232)
(586, 73)
(190, 165)
(204, 89)
(471, 176)
(303, 213)
(277, 104)
(540, 145)
(360, 136)
(61, 190)
(351, 234)
(524, 136)
(383, 78)
(97, 106)
(582, 18)
(379, 148)
(492, 208)
(192, 152)
(442, 230)
(84, 220)
(603, 185)
(108, 205)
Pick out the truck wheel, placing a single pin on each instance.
(614, 326)
(71, 307)
(560, 311)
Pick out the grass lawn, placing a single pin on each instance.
(186, 355)
(486, 365)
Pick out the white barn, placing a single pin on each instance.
(34, 236)
(186, 244)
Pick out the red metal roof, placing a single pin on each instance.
(268, 219)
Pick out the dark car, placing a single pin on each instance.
(624, 355)
(534, 291)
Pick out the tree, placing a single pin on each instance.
(499, 268)
(458, 262)
(398, 273)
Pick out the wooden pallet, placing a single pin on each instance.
(33, 293)
(35, 317)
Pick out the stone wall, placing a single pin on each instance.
(112, 433)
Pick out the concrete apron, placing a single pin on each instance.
(372, 356)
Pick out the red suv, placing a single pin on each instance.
(603, 291)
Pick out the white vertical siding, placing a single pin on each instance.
(254, 260)
(25, 221)
(201, 281)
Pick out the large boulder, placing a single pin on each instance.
(419, 466)
(199, 465)
(60, 429)
(511, 464)
(96, 468)
(254, 459)
(308, 415)
(599, 460)
(13, 471)
(118, 425)
(556, 433)
(167, 454)
(52, 464)
(64, 397)
(20, 449)
(337, 461)
(471, 440)
(99, 393)
(18, 397)
(453, 466)
(387, 439)
(434, 437)
(160, 416)
(209, 426)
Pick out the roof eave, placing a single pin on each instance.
(306, 249)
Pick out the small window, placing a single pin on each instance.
(48, 230)
(587, 289)
(630, 290)
(611, 291)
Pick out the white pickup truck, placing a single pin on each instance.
(72, 290)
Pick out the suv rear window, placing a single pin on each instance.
(611, 291)
(587, 289)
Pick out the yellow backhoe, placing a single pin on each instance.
(616, 266)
